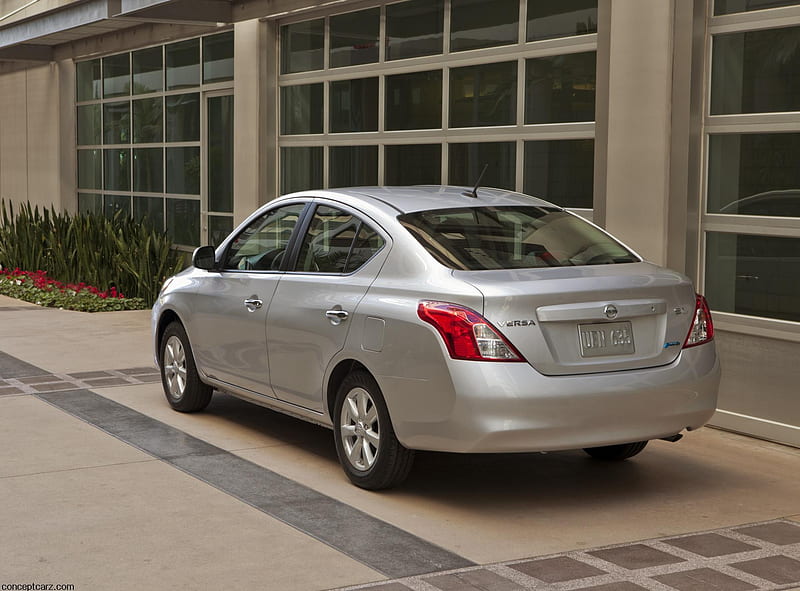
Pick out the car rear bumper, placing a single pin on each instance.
(510, 407)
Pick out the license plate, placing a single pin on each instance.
(608, 338)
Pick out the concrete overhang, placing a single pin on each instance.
(202, 12)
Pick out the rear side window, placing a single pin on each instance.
(513, 237)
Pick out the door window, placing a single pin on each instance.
(261, 246)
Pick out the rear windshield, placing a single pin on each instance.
(514, 237)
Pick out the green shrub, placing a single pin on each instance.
(105, 253)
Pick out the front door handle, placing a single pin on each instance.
(336, 316)
(253, 304)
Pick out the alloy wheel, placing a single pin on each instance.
(360, 429)
(175, 367)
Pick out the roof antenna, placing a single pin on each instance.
(474, 192)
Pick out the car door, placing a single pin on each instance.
(229, 321)
(312, 310)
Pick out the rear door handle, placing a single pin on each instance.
(336, 316)
(253, 304)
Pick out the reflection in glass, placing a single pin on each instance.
(183, 117)
(354, 38)
(149, 210)
(756, 72)
(148, 70)
(467, 162)
(301, 169)
(476, 23)
(414, 101)
(90, 169)
(183, 221)
(354, 105)
(560, 171)
(183, 64)
(148, 121)
(87, 80)
(117, 205)
(547, 20)
(183, 170)
(220, 153)
(218, 229)
(483, 95)
(413, 165)
(89, 125)
(117, 170)
(116, 75)
(90, 203)
(117, 123)
(353, 166)
(731, 6)
(753, 275)
(302, 46)
(561, 88)
(302, 109)
(754, 174)
(218, 57)
(148, 170)
(414, 28)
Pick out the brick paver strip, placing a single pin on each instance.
(138, 370)
(113, 381)
(148, 379)
(557, 570)
(636, 556)
(389, 587)
(10, 390)
(774, 533)
(82, 375)
(778, 569)
(55, 387)
(43, 379)
(710, 545)
(473, 580)
(622, 586)
(703, 579)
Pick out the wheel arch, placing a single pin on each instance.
(337, 376)
(167, 317)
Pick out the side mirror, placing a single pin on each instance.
(204, 258)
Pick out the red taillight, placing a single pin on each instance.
(467, 334)
(702, 330)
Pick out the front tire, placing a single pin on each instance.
(615, 453)
(183, 388)
(368, 450)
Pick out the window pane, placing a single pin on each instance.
(477, 23)
(753, 275)
(90, 169)
(89, 125)
(90, 203)
(261, 245)
(483, 95)
(754, 174)
(756, 72)
(219, 227)
(565, 18)
(302, 46)
(220, 153)
(183, 221)
(731, 6)
(414, 101)
(117, 123)
(302, 109)
(353, 166)
(117, 205)
(148, 70)
(354, 105)
(148, 170)
(414, 28)
(354, 38)
(326, 245)
(183, 117)
(183, 171)
(301, 169)
(117, 170)
(414, 165)
(116, 75)
(367, 244)
(87, 80)
(560, 171)
(218, 58)
(148, 121)
(560, 89)
(183, 64)
(467, 162)
(149, 210)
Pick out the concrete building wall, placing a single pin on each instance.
(7, 7)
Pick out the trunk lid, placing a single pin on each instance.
(589, 319)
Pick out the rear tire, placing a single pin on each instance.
(615, 453)
(368, 450)
(183, 388)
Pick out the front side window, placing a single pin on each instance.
(483, 238)
(261, 246)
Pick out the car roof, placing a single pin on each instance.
(423, 197)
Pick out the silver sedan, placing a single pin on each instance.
(439, 318)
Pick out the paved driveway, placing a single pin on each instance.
(104, 487)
